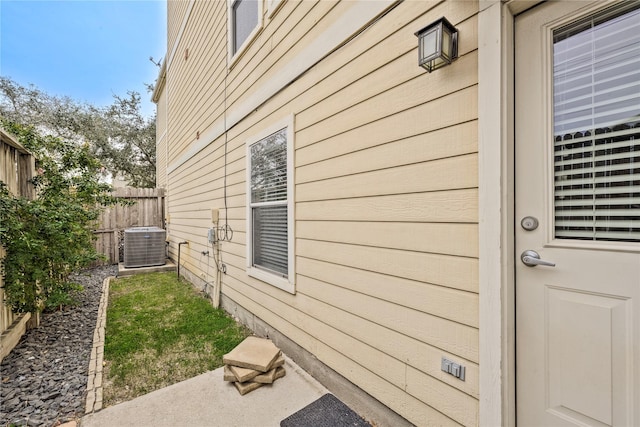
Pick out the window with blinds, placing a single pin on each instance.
(269, 204)
(596, 74)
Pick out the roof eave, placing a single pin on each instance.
(162, 78)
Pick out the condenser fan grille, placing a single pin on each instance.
(144, 247)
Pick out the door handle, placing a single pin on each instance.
(532, 258)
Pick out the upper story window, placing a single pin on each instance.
(244, 22)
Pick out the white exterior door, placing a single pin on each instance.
(577, 171)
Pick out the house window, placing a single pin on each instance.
(244, 19)
(270, 208)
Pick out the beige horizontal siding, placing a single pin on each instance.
(176, 11)
(436, 175)
(441, 143)
(388, 103)
(458, 306)
(386, 194)
(444, 238)
(378, 387)
(161, 140)
(198, 79)
(441, 206)
(294, 27)
(460, 107)
(367, 73)
(371, 330)
(443, 333)
(161, 115)
(445, 270)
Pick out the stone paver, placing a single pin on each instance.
(246, 374)
(271, 376)
(242, 374)
(245, 388)
(253, 353)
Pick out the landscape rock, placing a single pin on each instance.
(43, 379)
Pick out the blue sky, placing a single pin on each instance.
(88, 50)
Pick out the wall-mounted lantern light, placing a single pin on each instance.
(437, 44)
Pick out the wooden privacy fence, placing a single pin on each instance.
(147, 210)
(17, 167)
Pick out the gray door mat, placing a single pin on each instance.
(327, 411)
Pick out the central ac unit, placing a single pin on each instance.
(144, 247)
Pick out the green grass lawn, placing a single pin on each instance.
(161, 331)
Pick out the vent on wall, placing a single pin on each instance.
(144, 247)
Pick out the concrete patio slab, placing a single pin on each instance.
(208, 400)
(126, 271)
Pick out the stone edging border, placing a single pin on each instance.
(94, 380)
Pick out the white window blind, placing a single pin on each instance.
(269, 207)
(597, 127)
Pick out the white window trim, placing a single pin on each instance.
(233, 57)
(272, 7)
(288, 283)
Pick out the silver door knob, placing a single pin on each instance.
(532, 258)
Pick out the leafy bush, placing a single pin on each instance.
(64, 295)
(48, 238)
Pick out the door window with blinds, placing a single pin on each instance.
(269, 209)
(596, 98)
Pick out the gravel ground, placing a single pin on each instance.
(43, 380)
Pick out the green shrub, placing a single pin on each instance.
(46, 239)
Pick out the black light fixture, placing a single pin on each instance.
(437, 44)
